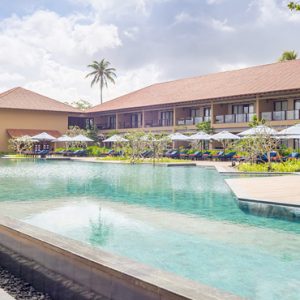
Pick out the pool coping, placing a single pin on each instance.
(48, 248)
(247, 191)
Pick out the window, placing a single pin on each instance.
(166, 118)
(194, 113)
(297, 104)
(136, 120)
(206, 112)
(280, 105)
(111, 122)
(243, 109)
(89, 123)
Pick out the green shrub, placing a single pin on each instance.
(289, 166)
(96, 150)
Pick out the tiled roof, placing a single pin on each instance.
(31, 132)
(250, 81)
(20, 98)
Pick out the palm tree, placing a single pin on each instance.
(294, 5)
(288, 55)
(101, 74)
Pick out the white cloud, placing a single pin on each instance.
(119, 7)
(210, 2)
(272, 11)
(221, 25)
(49, 53)
(134, 79)
(184, 17)
(229, 67)
(131, 32)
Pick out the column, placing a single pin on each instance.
(117, 121)
(257, 108)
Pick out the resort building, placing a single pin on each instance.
(23, 112)
(228, 100)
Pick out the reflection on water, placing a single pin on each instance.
(100, 230)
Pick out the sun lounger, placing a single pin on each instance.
(196, 155)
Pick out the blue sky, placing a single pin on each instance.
(46, 45)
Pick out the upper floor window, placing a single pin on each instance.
(111, 122)
(206, 112)
(166, 118)
(242, 109)
(194, 112)
(136, 120)
(280, 105)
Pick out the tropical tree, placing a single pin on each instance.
(101, 74)
(205, 126)
(255, 121)
(81, 104)
(21, 144)
(293, 5)
(288, 55)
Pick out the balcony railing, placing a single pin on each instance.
(106, 126)
(281, 115)
(234, 118)
(192, 121)
(159, 123)
(125, 125)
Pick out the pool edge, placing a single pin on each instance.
(101, 272)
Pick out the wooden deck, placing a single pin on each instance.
(279, 190)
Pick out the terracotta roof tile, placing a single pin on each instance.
(31, 132)
(254, 80)
(20, 98)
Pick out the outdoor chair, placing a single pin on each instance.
(196, 155)
(206, 155)
(219, 155)
(174, 154)
(264, 158)
(228, 156)
(183, 154)
(168, 153)
(292, 156)
(43, 153)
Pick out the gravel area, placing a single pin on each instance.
(18, 288)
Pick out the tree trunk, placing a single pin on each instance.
(101, 87)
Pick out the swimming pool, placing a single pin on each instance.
(183, 220)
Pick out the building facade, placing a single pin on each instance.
(228, 100)
(23, 112)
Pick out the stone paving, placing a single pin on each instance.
(280, 190)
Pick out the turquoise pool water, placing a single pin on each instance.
(183, 220)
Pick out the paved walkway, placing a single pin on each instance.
(221, 166)
(282, 190)
(5, 296)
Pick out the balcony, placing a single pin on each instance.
(128, 125)
(159, 123)
(106, 126)
(192, 121)
(234, 118)
(281, 115)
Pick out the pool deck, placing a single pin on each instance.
(275, 190)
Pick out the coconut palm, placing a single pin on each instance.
(102, 74)
(293, 5)
(288, 55)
